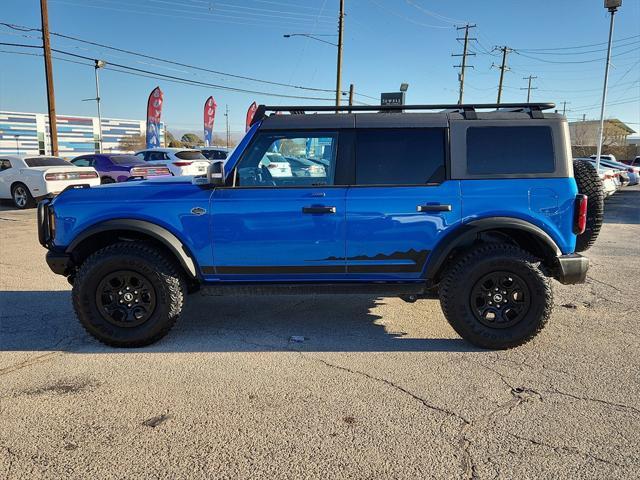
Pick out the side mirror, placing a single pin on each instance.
(215, 173)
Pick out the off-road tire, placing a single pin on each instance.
(22, 188)
(144, 259)
(468, 269)
(589, 184)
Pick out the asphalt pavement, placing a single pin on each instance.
(378, 388)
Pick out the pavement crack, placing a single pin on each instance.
(595, 400)
(395, 386)
(608, 285)
(29, 362)
(559, 449)
(464, 443)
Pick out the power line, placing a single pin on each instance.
(633, 50)
(194, 82)
(181, 64)
(575, 46)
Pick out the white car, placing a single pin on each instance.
(26, 179)
(215, 153)
(277, 165)
(180, 161)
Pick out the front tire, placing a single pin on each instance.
(22, 197)
(128, 294)
(495, 296)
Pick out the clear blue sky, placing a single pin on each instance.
(386, 42)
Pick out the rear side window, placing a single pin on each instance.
(125, 159)
(46, 162)
(404, 156)
(190, 155)
(509, 150)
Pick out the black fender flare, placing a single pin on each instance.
(468, 231)
(161, 234)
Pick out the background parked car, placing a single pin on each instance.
(621, 176)
(215, 153)
(119, 167)
(27, 179)
(180, 161)
(632, 171)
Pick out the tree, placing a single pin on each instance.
(192, 140)
(132, 143)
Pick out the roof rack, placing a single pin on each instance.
(468, 109)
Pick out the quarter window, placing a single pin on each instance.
(509, 150)
(404, 156)
(4, 164)
(276, 159)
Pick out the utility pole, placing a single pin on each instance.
(48, 71)
(350, 96)
(529, 87)
(505, 51)
(339, 67)
(584, 117)
(226, 115)
(464, 55)
(564, 107)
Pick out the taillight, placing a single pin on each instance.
(149, 171)
(580, 220)
(70, 176)
(182, 164)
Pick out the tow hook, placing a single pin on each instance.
(411, 298)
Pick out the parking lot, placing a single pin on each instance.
(379, 388)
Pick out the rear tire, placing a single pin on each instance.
(589, 184)
(22, 197)
(128, 294)
(495, 296)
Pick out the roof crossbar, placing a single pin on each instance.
(468, 109)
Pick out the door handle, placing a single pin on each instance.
(318, 209)
(434, 208)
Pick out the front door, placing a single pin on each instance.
(284, 218)
(401, 203)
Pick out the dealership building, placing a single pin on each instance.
(25, 133)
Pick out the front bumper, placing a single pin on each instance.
(572, 269)
(59, 263)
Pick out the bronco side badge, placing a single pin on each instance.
(198, 211)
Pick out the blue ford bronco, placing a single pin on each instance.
(477, 207)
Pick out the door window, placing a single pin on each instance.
(400, 156)
(276, 159)
(83, 162)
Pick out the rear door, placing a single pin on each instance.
(401, 202)
(273, 227)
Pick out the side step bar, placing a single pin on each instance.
(381, 289)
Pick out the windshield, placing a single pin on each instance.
(46, 162)
(190, 155)
(125, 159)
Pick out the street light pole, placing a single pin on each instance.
(98, 65)
(612, 6)
(339, 67)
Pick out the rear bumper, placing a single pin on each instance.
(572, 269)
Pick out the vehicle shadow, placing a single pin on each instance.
(45, 321)
(622, 207)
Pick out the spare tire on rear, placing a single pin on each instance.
(589, 184)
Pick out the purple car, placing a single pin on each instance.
(120, 167)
